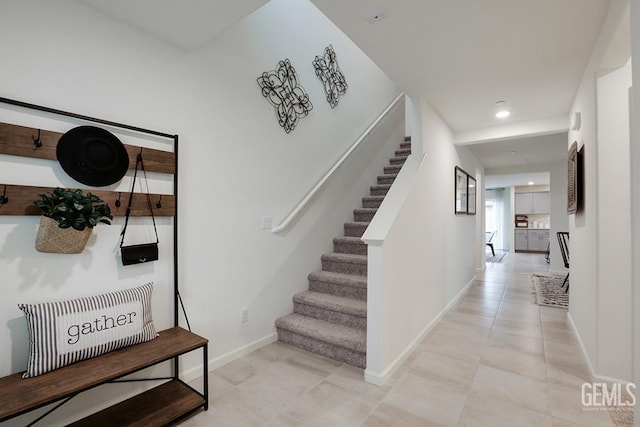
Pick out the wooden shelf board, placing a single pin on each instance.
(21, 198)
(156, 407)
(19, 395)
(18, 141)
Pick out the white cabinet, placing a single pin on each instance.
(531, 240)
(522, 236)
(532, 203)
(538, 240)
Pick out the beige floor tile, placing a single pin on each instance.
(559, 422)
(446, 370)
(566, 403)
(388, 415)
(328, 401)
(483, 411)
(350, 378)
(523, 313)
(469, 319)
(487, 308)
(560, 335)
(514, 388)
(514, 361)
(236, 372)
(521, 343)
(426, 399)
(467, 347)
(530, 330)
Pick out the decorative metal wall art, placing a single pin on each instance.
(282, 90)
(330, 75)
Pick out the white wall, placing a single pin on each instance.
(589, 263)
(236, 163)
(614, 224)
(422, 260)
(634, 160)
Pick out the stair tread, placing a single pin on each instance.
(344, 336)
(352, 280)
(365, 210)
(358, 223)
(345, 305)
(373, 198)
(348, 258)
(348, 239)
(388, 175)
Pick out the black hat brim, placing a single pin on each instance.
(92, 156)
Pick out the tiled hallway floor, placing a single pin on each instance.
(496, 359)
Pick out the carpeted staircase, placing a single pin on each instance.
(330, 318)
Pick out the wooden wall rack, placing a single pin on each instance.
(162, 405)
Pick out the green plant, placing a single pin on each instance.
(72, 208)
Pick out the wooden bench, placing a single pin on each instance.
(155, 407)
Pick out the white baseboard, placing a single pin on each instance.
(380, 378)
(594, 375)
(230, 356)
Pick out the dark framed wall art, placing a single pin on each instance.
(572, 179)
(460, 178)
(471, 195)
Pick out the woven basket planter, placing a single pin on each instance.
(53, 239)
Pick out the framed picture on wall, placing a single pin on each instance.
(460, 177)
(471, 195)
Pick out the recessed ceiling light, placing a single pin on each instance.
(531, 183)
(501, 110)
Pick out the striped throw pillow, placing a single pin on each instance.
(61, 333)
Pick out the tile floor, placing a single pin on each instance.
(496, 359)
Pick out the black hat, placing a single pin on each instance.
(92, 156)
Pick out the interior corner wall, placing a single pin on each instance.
(236, 163)
(634, 159)
(587, 284)
(429, 254)
(614, 225)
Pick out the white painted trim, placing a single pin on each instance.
(196, 371)
(594, 375)
(582, 347)
(316, 188)
(381, 378)
(538, 127)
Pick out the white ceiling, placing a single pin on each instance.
(460, 55)
(186, 25)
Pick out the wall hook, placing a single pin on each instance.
(159, 204)
(4, 199)
(37, 142)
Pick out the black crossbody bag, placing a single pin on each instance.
(144, 252)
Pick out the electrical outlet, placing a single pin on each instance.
(244, 315)
(266, 222)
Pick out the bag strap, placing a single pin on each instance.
(139, 163)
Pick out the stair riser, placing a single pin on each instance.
(344, 267)
(371, 203)
(359, 216)
(403, 152)
(331, 316)
(379, 191)
(351, 357)
(405, 145)
(392, 169)
(354, 230)
(338, 290)
(359, 248)
(397, 161)
(386, 179)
